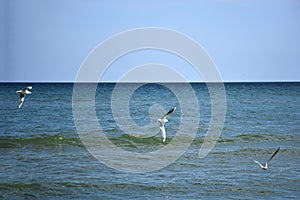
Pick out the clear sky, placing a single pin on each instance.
(248, 40)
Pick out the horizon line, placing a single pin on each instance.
(239, 81)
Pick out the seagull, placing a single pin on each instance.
(23, 93)
(266, 165)
(162, 122)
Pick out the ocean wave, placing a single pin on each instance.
(131, 141)
(44, 140)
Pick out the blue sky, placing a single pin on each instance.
(48, 40)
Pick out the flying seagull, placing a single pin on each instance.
(162, 122)
(266, 165)
(23, 93)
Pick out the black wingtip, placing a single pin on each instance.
(172, 110)
(274, 154)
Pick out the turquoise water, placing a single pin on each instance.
(42, 156)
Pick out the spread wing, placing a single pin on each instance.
(259, 163)
(273, 155)
(163, 132)
(27, 88)
(168, 113)
(22, 97)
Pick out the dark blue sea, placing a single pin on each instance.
(43, 156)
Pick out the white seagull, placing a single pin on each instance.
(162, 122)
(23, 93)
(266, 165)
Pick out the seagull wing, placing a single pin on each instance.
(170, 112)
(22, 97)
(163, 132)
(259, 163)
(273, 154)
(27, 88)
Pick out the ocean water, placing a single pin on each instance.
(42, 155)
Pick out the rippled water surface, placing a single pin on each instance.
(42, 156)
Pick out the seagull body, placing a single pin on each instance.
(23, 93)
(162, 122)
(265, 167)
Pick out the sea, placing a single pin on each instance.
(44, 153)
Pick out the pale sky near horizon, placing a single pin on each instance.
(48, 40)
